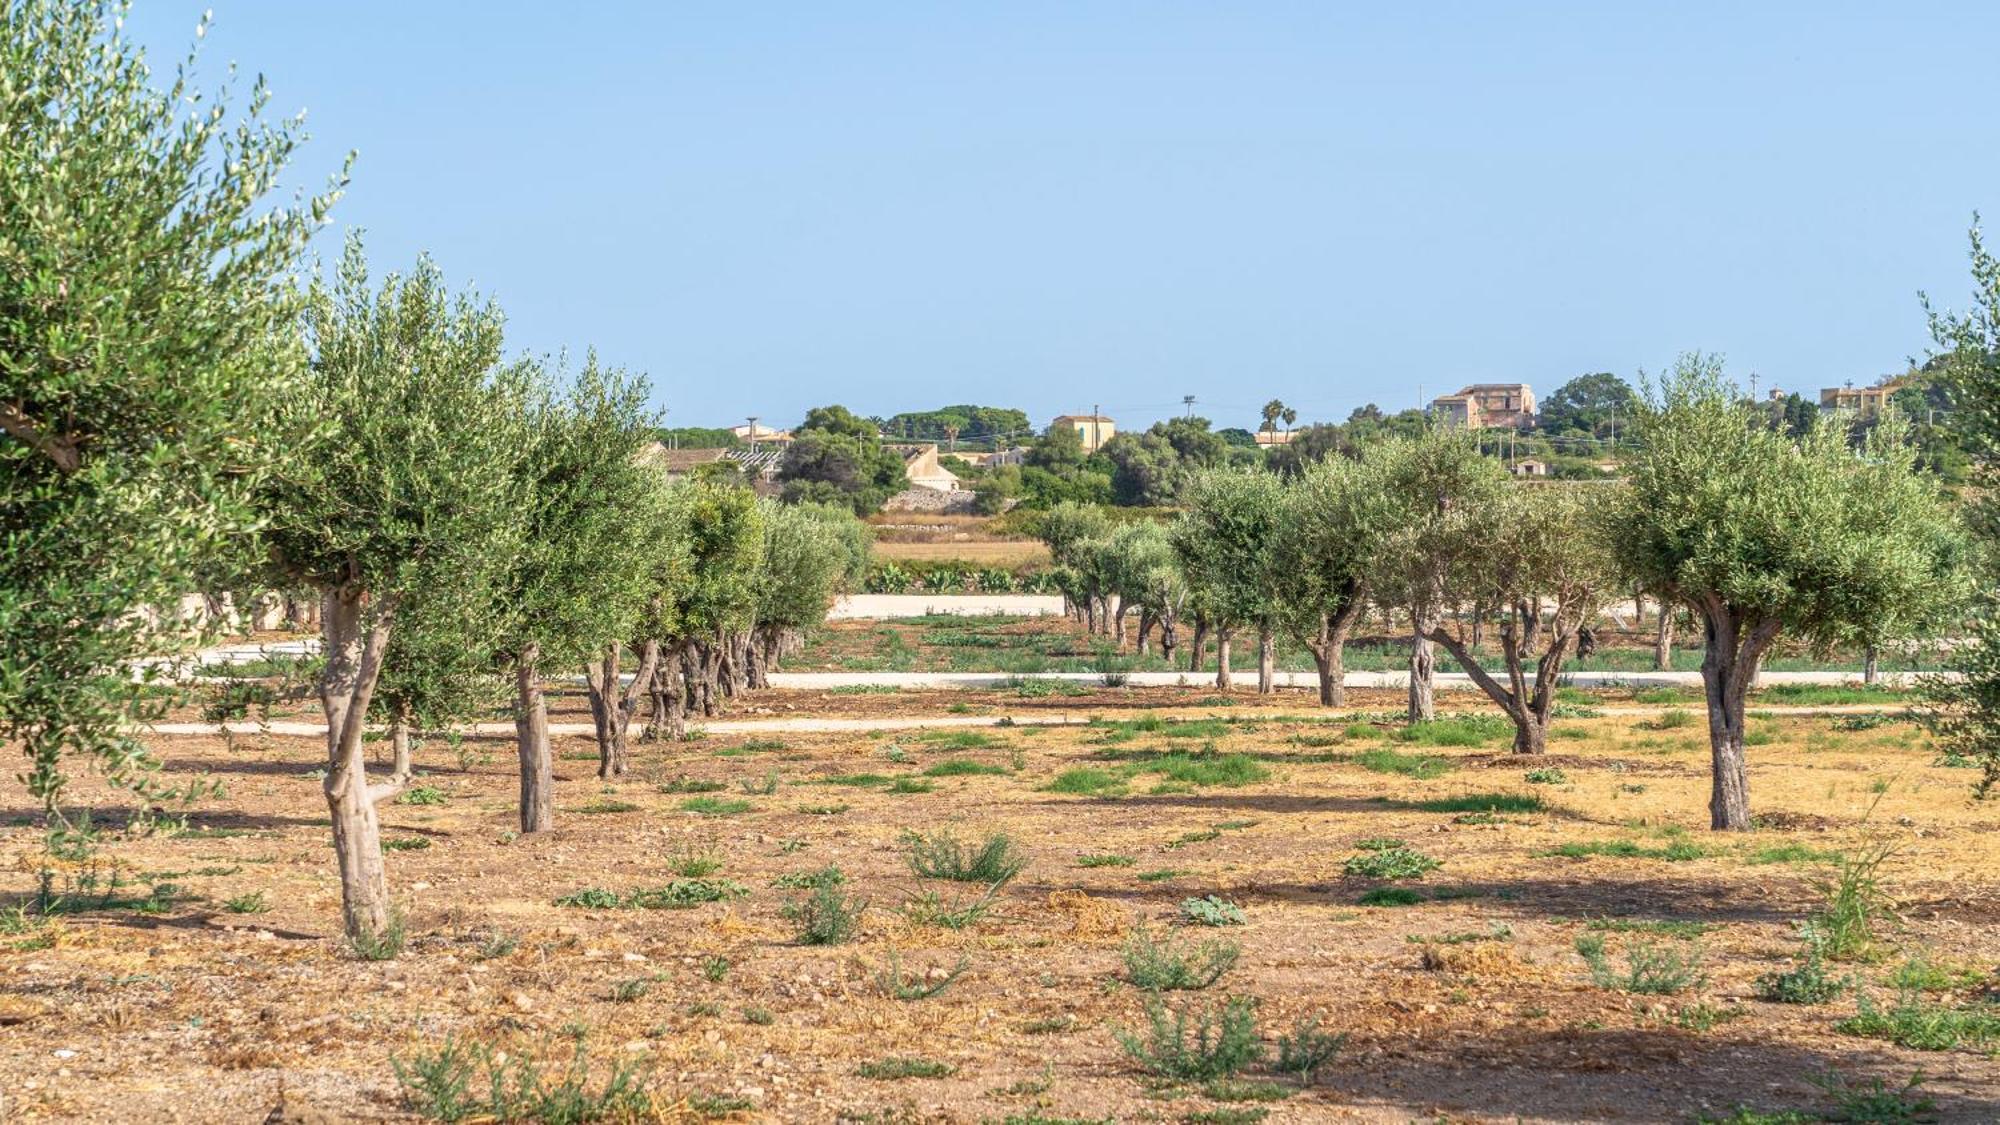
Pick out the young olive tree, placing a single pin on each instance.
(1073, 533)
(580, 580)
(147, 336)
(1432, 490)
(1144, 574)
(1963, 711)
(808, 561)
(407, 480)
(1326, 548)
(725, 549)
(1227, 543)
(663, 561)
(1540, 556)
(1765, 535)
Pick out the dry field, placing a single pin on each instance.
(211, 989)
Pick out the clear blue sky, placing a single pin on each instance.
(898, 206)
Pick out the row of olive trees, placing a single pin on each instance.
(1759, 534)
(179, 411)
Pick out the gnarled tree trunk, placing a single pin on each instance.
(355, 640)
(1197, 643)
(399, 744)
(531, 738)
(1735, 648)
(1329, 647)
(1423, 665)
(1663, 640)
(1224, 680)
(1871, 665)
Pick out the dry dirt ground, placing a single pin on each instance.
(214, 989)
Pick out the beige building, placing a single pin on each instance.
(760, 434)
(1865, 401)
(920, 465)
(1274, 437)
(1094, 429)
(1488, 405)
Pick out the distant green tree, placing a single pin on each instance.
(965, 424)
(1237, 437)
(809, 559)
(1588, 405)
(1307, 447)
(147, 343)
(1151, 468)
(836, 457)
(1326, 551)
(1762, 535)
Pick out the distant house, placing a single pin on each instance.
(761, 466)
(1274, 437)
(1487, 405)
(1865, 401)
(920, 465)
(1529, 467)
(1094, 429)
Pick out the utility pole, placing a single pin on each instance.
(1188, 401)
(753, 433)
(1096, 436)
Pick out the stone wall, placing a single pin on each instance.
(956, 502)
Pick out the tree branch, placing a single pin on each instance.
(61, 451)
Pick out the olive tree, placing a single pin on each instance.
(1145, 574)
(1227, 542)
(1538, 558)
(1963, 710)
(663, 567)
(1765, 535)
(147, 335)
(408, 476)
(808, 561)
(725, 549)
(1326, 548)
(579, 581)
(1432, 488)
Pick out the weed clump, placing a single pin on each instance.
(1170, 965)
(941, 855)
(1212, 910)
(1395, 862)
(827, 916)
(1196, 1047)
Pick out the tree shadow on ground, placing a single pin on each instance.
(1636, 1074)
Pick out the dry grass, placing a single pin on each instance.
(198, 1013)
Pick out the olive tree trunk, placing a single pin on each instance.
(1197, 643)
(1663, 640)
(613, 703)
(1871, 666)
(531, 736)
(355, 640)
(1423, 667)
(1223, 679)
(1329, 647)
(399, 744)
(1735, 648)
(1267, 660)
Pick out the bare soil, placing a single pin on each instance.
(181, 1008)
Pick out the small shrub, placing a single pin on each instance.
(759, 787)
(1651, 970)
(1103, 859)
(1806, 982)
(626, 991)
(1160, 876)
(898, 1067)
(447, 1085)
(713, 969)
(1390, 863)
(941, 855)
(406, 844)
(1305, 1048)
(759, 1016)
(911, 785)
(693, 860)
(252, 903)
(1547, 775)
(829, 876)
(1180, 1044)
(1875, 1102)
(1673, 718)
(592, 898)
(1854, 902)
(1921, 974)
(606, 805)
(691, 785)
(956, 913)
(497, 946)
(714, 806)
(421, 795)
(1925, 1025)
(1167, 964)
(1378, 844)
(1212, 910)
(1390, 896)
(682, 894)
(1481, 803)
(825, 917)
